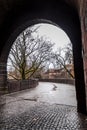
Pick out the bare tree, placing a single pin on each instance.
(64, 57)
(29, 54)
(68, 53)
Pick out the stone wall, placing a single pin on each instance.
(14, 86)
(61, 80)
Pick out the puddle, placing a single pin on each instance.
(31, 99)
(54, 88)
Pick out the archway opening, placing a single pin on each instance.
(43, 51)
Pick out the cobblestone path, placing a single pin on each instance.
(41, 116)
(25, 113)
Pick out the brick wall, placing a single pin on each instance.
(83, 18)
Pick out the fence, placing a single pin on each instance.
(59, 80)
(14, 86)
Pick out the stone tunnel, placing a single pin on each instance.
(70, 15)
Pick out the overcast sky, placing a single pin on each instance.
(57, 35)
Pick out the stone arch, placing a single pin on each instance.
(51, 12)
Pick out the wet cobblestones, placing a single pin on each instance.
(39, 109)
(43, 116)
